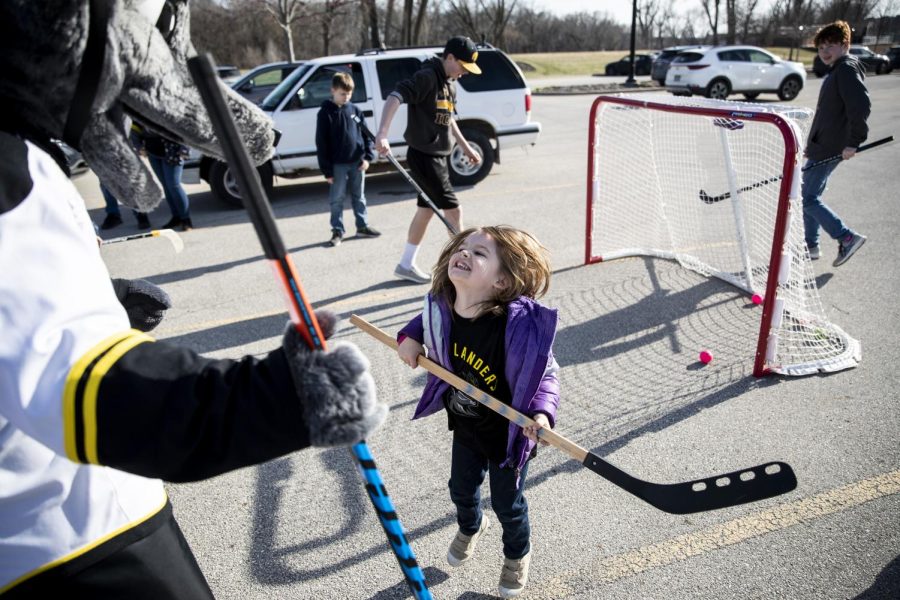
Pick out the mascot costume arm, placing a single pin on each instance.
(92, 411)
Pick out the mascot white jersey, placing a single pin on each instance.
(94, 414)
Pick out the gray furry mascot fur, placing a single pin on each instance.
(94, 414)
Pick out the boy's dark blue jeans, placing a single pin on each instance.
(467, 471)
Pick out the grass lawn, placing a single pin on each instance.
(551, 64)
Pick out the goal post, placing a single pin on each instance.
(715, 186)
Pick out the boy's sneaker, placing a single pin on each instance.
(411, 274)
(336, 237)
(848, 248)
(367, 232)
(814, 253)
(463, 546)
(514, 576)
(111, 220)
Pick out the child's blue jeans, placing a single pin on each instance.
(348, 179)
(467, 471)
(815, 212)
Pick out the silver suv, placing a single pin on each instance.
(494, 113)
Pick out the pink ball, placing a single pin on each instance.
(705, 357)
(756, 299)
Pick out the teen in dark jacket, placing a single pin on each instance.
(838, 129)
(430, 96)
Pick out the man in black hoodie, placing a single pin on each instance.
(431, 99)
(838, 128)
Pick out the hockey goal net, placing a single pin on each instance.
(715, 186)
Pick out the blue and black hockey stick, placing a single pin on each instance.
(260, 212)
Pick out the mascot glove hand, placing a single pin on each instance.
(335, 388)
(144, 302)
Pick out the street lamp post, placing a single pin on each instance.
(630, 82)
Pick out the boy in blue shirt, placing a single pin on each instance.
(344, 154)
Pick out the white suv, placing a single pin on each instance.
(494, 113)
(723, 70)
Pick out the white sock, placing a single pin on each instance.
(409, 255)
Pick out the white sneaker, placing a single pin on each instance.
(514, 576)
(463, 546)
(412, 274)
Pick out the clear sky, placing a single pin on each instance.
(619, 10)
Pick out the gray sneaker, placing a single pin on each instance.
(463, 546)
(412, 274)
(514, 576)
(336, 237)
(848, 248)
(814, 253)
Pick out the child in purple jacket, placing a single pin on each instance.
(481, 321)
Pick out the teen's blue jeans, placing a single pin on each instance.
(815, 212)
(169, 176)
(467, 471)
(348, 179)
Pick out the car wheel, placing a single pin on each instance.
(462, 171)
(789, 88)
(879, 70)
(610, 71)
(224, 187)
(751, 95)
(718, 89)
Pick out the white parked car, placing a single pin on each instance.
(494, 111)
(723, 70)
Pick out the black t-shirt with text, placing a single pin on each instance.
(478, 355)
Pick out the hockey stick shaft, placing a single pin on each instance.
(169, 234)
(301, 312)
(408, 178)
(707, 199)
(720, 491)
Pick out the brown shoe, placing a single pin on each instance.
(463, 546)
(514, 576)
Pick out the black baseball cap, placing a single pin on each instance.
(463, 49)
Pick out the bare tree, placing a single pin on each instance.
(371, 15)
(664, 22)
(711, 9)
(327, 12)
(479, 17)
(389, 23)
(286, 12)
(647, 14)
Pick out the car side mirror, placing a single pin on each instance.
(247, 87)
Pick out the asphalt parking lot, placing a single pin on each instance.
(301, 527)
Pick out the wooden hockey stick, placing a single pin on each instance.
(302, 315)
(710, 493)
(707, 199)
(169, 234)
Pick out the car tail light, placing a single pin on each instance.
(696, 67)
(527, 104)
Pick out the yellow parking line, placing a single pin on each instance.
(683, 547)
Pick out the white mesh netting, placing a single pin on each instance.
(699, 181)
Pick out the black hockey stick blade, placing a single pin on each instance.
(707, 199)
(712, 493)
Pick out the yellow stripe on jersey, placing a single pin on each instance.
(71, 387)
(92, 389)
(444, 105)
(87, 548)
